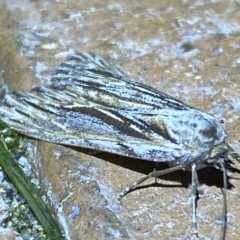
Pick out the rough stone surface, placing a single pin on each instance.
(4, 210)
(189, 49)
(9, 234)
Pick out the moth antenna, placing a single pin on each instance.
(194, 192)
(224, 210)
(153, 174)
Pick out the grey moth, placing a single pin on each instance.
(92, 104)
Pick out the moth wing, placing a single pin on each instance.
(116, 131)
(81, 129)
(87, 78)
(91, 104)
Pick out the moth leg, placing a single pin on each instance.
(194, 192)
(224, 210)
(153, 174)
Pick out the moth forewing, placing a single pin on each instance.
(91, 104)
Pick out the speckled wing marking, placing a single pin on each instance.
(91, 104)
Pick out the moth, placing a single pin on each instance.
(90, 103)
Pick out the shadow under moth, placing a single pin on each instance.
(92, 104)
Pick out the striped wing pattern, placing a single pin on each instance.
(91, 104)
